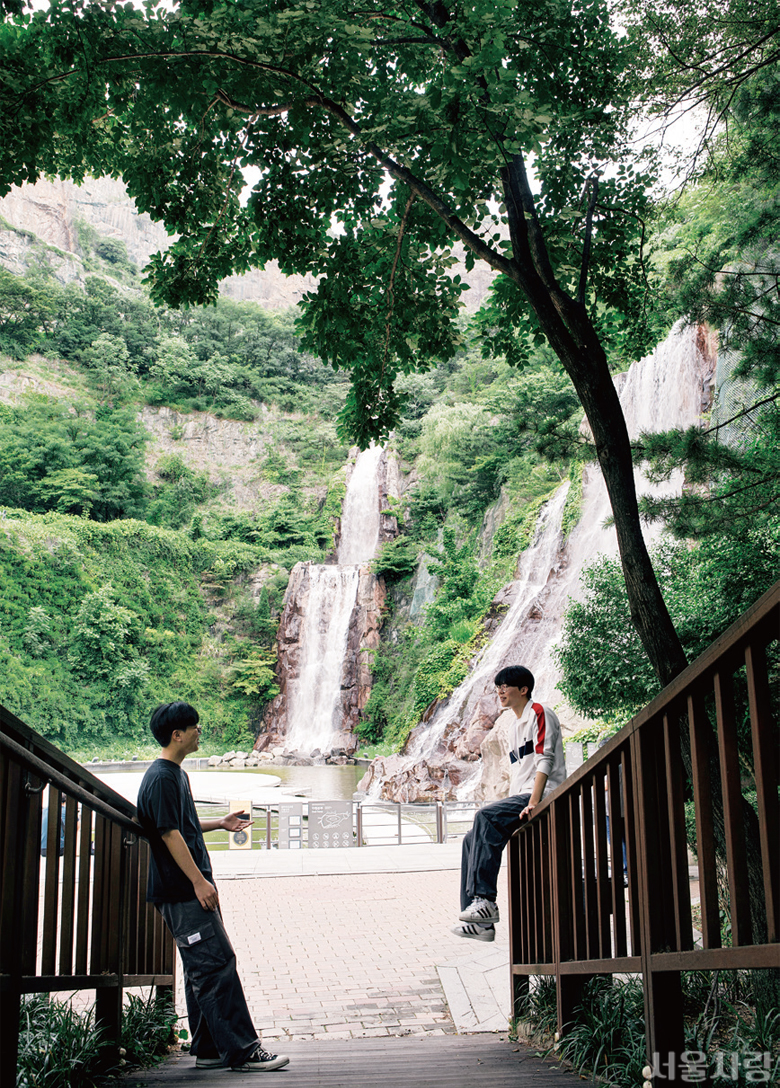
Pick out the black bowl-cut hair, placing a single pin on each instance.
(169, 716)
(516, 676)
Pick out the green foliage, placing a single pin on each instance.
(515, 532)
(52, 458)
(397, 559)
(428, 662)
(539, 1008)
(27, 312)
(173, 502)
(572, 509)
(707, 587)
(386, 301)
(254, 676)
(58, 1047)
(607, 1037)
(290, 530)
(732, 484)
(148, 1027)
(100, 622)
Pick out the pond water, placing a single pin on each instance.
(269, 785)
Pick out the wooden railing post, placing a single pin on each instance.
(13, 825)
(662, 990)
(566, 872)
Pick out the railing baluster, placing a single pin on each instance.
(575, 876)
(84, 888)
(98, 919)
(616, 839)
(51, 891)
(602, 866)
(589, 870)
(632, 855)
(27, 929)
(763, 735)
(68, 899)
(681, 887)
(741, 928)
(545, 901)
(699, 726)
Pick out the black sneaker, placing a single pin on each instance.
(209, 1063)
(261, 1061)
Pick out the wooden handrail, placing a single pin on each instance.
(570, 914)
(66, 785)
(79, 919)
(17, 730)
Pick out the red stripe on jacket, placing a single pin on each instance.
(542, 725)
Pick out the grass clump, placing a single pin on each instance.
(58, 1047)
(731, 1027)
(62, 1047)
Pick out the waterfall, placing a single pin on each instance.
(360, 517)
(537, 564)
(324, 621)
(666, 389)
(314, 701)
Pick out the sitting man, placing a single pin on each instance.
(181, 886)
(537, 767)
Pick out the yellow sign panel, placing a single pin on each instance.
(241, 840)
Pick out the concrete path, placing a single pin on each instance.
(356, 943)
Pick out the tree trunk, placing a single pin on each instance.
(572, 336)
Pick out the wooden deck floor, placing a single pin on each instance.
(451, 1061)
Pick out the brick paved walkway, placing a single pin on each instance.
(351, 955)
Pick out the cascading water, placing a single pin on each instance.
(360, 516)
(314, 704)
(666, 389)
(533, 575)
(313, 707)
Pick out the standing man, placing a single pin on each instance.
(537, 767)
(181, 886)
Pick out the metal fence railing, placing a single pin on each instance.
(372, 823)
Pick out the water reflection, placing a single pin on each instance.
(323, 783)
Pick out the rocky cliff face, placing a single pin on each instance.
(51, 210)
(669, 388)
(227, 450)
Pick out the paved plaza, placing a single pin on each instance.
(360, 945)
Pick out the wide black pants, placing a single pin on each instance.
(483, 846)
(220, 1024)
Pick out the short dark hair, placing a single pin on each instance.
(516, 676)
(169, 716)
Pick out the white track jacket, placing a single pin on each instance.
(535, 745)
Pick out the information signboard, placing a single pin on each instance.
(290, 826)
(330, 824)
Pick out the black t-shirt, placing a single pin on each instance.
(165, 803)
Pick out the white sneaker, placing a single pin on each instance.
(480, 912)
(475, 932)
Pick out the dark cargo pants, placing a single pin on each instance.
(480, 858)
(220, 1024)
